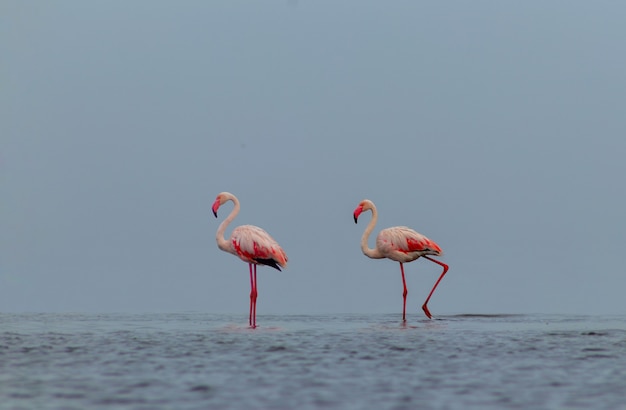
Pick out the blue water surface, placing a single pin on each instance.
(208, 361)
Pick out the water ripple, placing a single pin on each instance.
(194, 361)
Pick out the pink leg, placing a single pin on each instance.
(406, 292)
(445, 269)
(254, 301)
(251, 295)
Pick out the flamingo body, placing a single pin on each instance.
(400, 244)
(251, 244)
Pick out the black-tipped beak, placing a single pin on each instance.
(355, 218)
(215, 213)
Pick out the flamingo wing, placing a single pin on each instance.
(403, 240)
(253, 245)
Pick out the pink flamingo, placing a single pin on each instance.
(400, 244)
(251, 244)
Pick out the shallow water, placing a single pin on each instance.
(200, 361)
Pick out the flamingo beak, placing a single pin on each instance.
(216, 206)
(357, 212)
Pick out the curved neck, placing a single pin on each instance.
(372, 253)
(222, 242)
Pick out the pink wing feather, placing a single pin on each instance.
(404, 243)
(252, 244)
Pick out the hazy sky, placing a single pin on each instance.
(495, 128)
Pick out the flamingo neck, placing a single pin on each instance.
(369, 252)
(223, 243)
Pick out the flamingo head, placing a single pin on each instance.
(219, 201)
(364, 205)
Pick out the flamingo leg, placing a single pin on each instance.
(254, 301)
(406, 292)
(251, 294)
(445, 269)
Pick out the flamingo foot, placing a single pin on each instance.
(426, 311)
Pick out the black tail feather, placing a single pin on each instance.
(268, 262)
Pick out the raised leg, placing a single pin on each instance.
(406, 292)
(445, 269)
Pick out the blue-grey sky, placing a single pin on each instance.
(497, 129)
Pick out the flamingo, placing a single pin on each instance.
(400, 244)
(251, 244)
